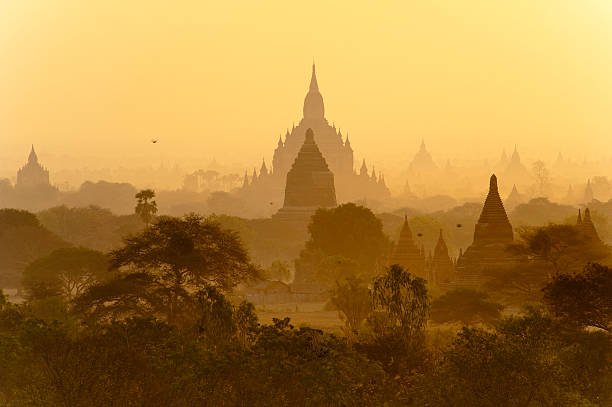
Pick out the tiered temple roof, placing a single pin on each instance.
(586, 225)
(492, 234)
(310, 183)
(32, 174)
(407, 254)
(493, 225)
(442, 266)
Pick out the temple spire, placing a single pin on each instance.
(313, 103)
(32, 158)
(313, 79)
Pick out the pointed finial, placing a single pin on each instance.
(493, 183)
(313, 79)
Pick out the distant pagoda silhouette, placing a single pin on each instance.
(309, 183)
(442, 266)
(422, 163)
(586, 226)
(333, 145)
(492, 235)
(514, 199)
(407, 254)
(33, 174)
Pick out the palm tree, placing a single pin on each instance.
(146, 207)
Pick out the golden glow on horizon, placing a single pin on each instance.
(225, 79)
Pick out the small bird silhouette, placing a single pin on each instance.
(154, 140)
(419, 234)
(271, 203)
(459, 225)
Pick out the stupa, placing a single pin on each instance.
(586, 225)
(309, 184)
(492, 234)
(442, 266)
(422, 163)
(514, 199)
(407, 254)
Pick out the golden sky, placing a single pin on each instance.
(98, 79)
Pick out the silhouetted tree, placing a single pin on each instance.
(584, 299)
(65, 272)
(465, 306)
(400, 311)
(526, 361)
(561, 248)
(400, 302)
(350, 231)
(146, 207)
(161, 270)
(351, 298)
(22, 240)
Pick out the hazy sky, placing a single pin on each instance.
(91, 82)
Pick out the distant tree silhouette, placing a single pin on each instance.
(560, 248)
(146, 207)
(65, 272)
(350, 231)
(465, 306)
(584, 299)
(161, 270)
(22, 240)
(351, 298)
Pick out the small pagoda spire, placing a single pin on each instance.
(374, 174)
(313, 79)
(364, 169)
(579, 219)
(263, 171)
(280, 141)
(254, 176)
(33, 158)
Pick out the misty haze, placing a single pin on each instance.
(314, 204)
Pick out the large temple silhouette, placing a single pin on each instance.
(309, 186)
(32, 174)
(334, 146)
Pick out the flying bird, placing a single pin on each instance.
(459, 225)
(154, 140)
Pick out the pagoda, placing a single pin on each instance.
(309, 184)
(586, 225)
(442, 267)
(407, 254)
(334, 146)
(32, 174)
(492, 234)
(514, 199)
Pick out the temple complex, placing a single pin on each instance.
(310, 184)
(516, 172)
(334, 146)
(492, 234)
(442, 266)
(407, 254)
(32, 174)
(422, 163)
